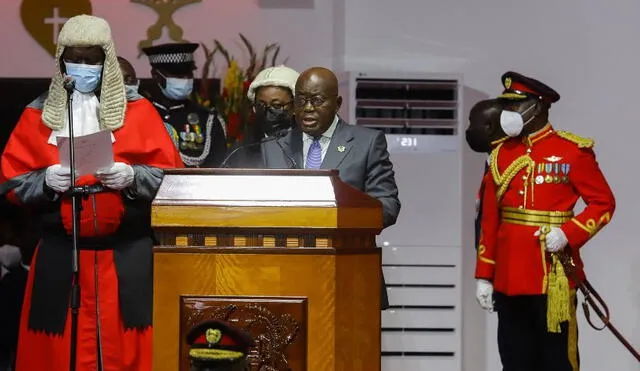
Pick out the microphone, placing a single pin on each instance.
(69, 83)
(277, 135)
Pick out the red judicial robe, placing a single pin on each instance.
(142, 142)
(544, 173)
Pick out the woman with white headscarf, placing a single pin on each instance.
(271, 93)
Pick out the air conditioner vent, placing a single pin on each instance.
(407, 106)
(419, 113)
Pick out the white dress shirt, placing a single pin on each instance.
(324, 140)
(86, 108)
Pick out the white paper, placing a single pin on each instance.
(92, 152)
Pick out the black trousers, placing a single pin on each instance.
(12, 288)
(523, 341)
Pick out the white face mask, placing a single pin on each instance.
(512, 122)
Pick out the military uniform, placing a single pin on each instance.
(534, 182)
(218, 346)
(197, 132)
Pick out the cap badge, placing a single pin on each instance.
(213, 336)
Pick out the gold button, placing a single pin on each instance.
(520, 207)
(524, 177)
(528, 150)
(521, 192)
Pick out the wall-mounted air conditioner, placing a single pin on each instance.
(418, 113)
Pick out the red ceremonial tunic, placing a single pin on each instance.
(545, 172)
(142, 140)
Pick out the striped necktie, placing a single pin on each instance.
(314, 156)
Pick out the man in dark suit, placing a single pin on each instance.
(321, 139)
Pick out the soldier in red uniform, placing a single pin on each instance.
(534, 182)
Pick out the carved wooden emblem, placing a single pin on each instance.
(44, 19)
(278, 327)
(165, 10)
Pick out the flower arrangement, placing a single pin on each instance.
(232, 103)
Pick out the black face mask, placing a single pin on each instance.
(272, 120)
(478, 139)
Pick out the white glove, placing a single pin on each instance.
(58, 178)
(484, 294)
(555, 240)
(118, 176)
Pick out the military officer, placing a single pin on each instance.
(197, 130)
(534, 181)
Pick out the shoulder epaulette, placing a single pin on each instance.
(580, 141)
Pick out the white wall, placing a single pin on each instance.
(586, 50)
(262, 21)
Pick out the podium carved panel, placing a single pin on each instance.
(278, 326)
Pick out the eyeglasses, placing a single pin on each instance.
(279, 106)
(316, 101)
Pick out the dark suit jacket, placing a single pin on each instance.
(364, 164)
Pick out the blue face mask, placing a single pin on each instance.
(132, 90)
(177, 89)
(87, 76)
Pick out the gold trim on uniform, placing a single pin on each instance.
(580, 141)
(531, 139)
(591, 226)
(206, 353)
(481, 250)
(557, 288)
(512, 96)
(503, 180)
(535, 218)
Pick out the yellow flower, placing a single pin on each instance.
(233, 87)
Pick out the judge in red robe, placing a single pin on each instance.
(115, 245)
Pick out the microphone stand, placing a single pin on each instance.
(293, 164)
(275, 136)
(77, 193)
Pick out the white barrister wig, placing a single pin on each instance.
(281, 76)
(86, 30)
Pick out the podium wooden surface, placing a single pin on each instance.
(288, 255)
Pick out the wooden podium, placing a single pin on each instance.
(287, 255)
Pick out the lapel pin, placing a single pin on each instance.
(341, 148)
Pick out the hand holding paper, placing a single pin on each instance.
(58, 178)
(117, 176)
(92, 152)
